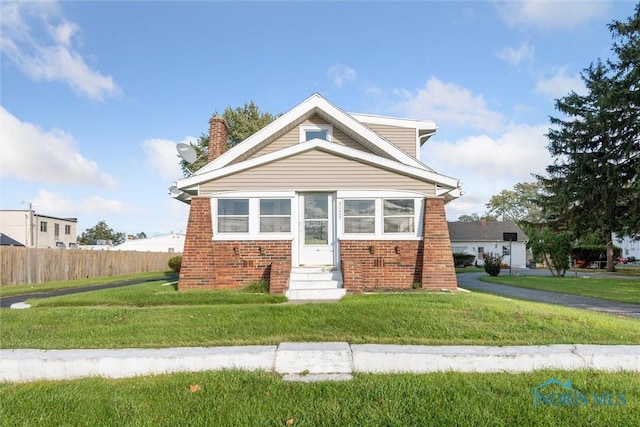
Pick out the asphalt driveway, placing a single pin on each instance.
(7, 301)
(472, 282)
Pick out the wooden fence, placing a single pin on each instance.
(20, 265)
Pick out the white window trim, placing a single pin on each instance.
(379, 233)
(318, 128)
(254, 216)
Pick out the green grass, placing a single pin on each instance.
(11, 290)
(609, 288)
(234, 398)
(413, 318)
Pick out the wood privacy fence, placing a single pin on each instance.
(20, 265)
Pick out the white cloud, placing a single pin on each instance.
(488, 165)
(523, 54)
(59, 205)
(31, 154)
(341, 74)
(53, 58)
(162, 156)
(447, 103)
(561, 84)
(550, 15)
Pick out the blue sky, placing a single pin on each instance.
(95, 95)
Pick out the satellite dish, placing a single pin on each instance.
(173, 190)
(187, 152)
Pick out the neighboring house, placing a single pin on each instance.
(630, 246)
(481, 237)
(173, 242)
(39, 231)
(319, 191)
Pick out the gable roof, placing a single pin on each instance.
(384, 153)
(490, 232)
(315, 104)
(8, 241)
(445, 184)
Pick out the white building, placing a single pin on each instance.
(172, 242)
(630, 246)
(483, 237)
(39, 231)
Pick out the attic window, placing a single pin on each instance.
(309, 132)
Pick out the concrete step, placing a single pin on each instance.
(315, 294)
(314, 284)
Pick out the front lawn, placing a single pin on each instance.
(614, 289)
(215, 318)
(235, 398)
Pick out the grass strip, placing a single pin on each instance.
(609, 288)
(239, 398)
(414, 318)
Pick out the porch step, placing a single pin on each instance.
(315, 283)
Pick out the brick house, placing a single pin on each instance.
(319, 203)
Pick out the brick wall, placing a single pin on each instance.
(438, 271)
(197, 256)
(238, 263)
(378, 265)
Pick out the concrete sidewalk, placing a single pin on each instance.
(312, 361)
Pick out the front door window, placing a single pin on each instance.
(316, 229)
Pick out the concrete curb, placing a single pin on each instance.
(312, 361)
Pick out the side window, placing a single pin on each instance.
(43, 226)
(505, 251)
(399, 215)
(275, 215)
(233, 215)
(359, 216)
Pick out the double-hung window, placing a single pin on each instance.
(359, 216)
(399, 215)
(233, 215)
(275, 215)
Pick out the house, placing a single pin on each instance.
(482, 237)
(38, 231)
(172, 242)
(630, 247)
(319, 197)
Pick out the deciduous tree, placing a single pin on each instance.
(242, 121)
(100, 232)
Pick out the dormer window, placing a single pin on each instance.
(309, 132)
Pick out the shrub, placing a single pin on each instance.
(259, 287)
(462, 259)
(175, 263)
(492, 263)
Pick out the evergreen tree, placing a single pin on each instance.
(592, 186)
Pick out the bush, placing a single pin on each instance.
(492, 263)
(462, 259)
(175, 263)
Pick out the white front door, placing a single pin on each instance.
(316, 229)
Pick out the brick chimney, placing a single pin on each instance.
(218, 134)
(483, 221)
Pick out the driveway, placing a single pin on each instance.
(7, 301)
(472, 282)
